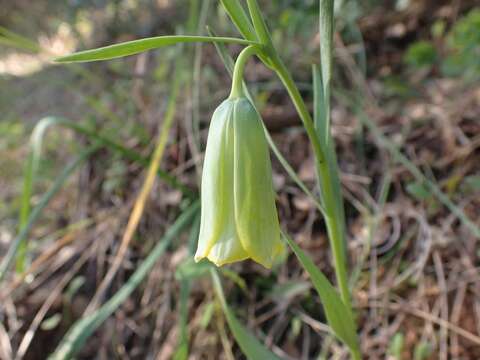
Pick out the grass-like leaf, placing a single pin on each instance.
(326, 26)
(12, 39)
(141, 45)
(338, 315)
(181, 352)
(240, 18)
(249, 344)
(78, 334)
(259, 22)
(31, 166)
(37, 211)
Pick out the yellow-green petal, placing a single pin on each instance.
(239, 218)
(218, 240)
(255, 211)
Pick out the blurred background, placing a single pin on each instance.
(406, 107)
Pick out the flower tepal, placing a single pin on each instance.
(239, 218)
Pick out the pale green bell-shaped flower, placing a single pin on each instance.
(239, 218)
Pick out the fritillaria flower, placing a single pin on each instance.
(239, 218)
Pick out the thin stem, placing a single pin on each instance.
(328, 172)
(300, 106)
(237, 83)
(335, 230)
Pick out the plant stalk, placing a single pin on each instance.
(334, 227)
(300, 106)
(237, 81)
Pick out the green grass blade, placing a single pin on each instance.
(327, 170)
(181, 353)
(338, 315)
(78, 334)
(326, 56)
(240, 18)
(222, 52)
(28, 176)
(321, 120)
(249, 344)
(30, 172)
(259, 22)
(319, 109)
(37, 211)
(141, 45)
(10, 38)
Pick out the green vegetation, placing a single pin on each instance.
(115, 214)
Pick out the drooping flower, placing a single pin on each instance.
(239, 218)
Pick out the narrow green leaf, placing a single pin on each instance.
(418, 190)
(320, 117)
(338, 315)
(259, 22)
(190, 269)
(141, 45)
(51, 322)
(37, 211)
(249, 344)
(10, 38)
(288, 290)
(322, 127)
(73, 287)
(78, 334)
(326, 48)
(395, 348)
(31, 166)
(240, 18)
(207, 314)
(181, 352)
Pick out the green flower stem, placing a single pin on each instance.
(326, 163)
(300, 106)
(237, 84)
(334, 227)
